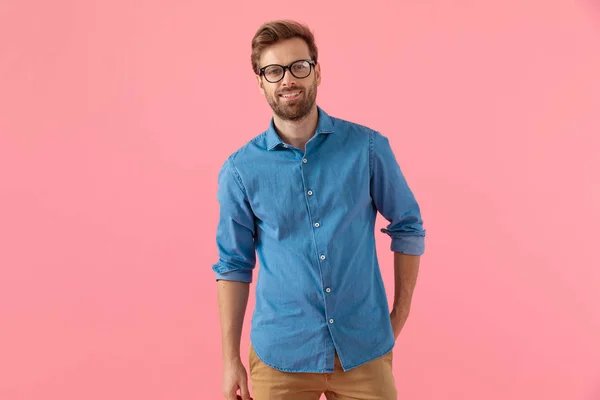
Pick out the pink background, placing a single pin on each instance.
(115, 117)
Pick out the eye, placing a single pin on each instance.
(273, 71)
(301, 66)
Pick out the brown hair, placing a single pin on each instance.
(273, 31)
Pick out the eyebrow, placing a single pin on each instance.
(285, 65)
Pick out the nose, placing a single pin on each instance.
(288, 78)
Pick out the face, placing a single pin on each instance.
(291, 98)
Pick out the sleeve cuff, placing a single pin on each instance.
(236, 275)
(412, 245)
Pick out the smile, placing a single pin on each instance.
(291, 95)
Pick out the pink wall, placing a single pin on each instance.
(115, 117)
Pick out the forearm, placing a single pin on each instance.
(406, 270)
(233, 300)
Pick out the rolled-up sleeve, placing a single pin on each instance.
(236, 229)
(394, 199)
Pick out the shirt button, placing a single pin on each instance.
(331, 321)
(317, 225)
(328, 290)
(304, 160)
(322, 256)
(310, 192)
(285, 145)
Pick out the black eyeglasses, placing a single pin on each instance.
(274, 72)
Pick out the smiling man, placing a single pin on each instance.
(304, 196)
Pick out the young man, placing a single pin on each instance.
(304, 196)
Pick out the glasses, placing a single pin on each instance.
(274, 72)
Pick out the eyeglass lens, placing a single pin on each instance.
(300, 69)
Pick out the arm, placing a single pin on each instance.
(235, 241)
(406, 270)
(395, 201)
(233, 300)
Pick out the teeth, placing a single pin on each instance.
(291, 94)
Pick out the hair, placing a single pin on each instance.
(274, 31)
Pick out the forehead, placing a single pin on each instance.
(285, 52)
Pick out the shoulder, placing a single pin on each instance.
(363, 133)
(246, 153)
(353, 127)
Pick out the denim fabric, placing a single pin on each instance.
(310, 218)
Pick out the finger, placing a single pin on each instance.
(244, 391)
(230, 396)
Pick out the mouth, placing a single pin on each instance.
(289, 96)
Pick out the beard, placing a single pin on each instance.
(297, 109)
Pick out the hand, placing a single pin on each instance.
(235, 378)
(398, 319)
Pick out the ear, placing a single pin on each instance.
(318, 73)
(261, 85)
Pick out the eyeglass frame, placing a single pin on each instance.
(311, 63)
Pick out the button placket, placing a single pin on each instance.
(313, 214)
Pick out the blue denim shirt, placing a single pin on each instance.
(310, 218)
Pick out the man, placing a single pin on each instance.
(304, 196)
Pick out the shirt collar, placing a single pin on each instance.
(324, 126)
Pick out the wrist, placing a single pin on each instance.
(401, 307)
(400, 311)
(231, 356)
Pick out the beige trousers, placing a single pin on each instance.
(370, 381)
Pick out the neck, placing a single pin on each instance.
(297, 133)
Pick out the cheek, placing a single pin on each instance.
(264, 90)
